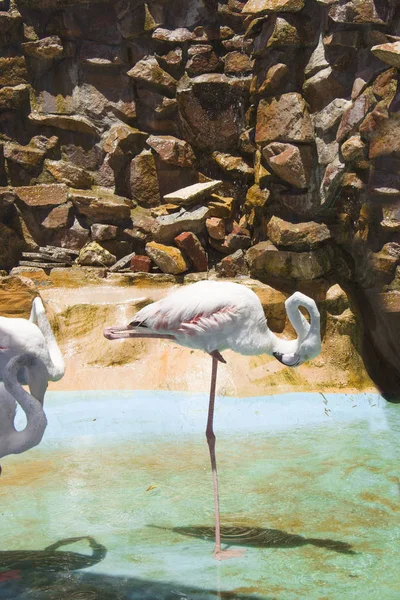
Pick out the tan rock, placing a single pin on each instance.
(193, 193)
(221, 207)
(291, 163)
(45, 49)
(27, 156)
(273, 79)
(167, 258)
(288, 30)
(71, 175)
(68, 122)
(126, 138)
(353, 149)
(336, 300)
(265, 260)
(256, 198)
(237, 62)
(94, 255)
(172, 150)
(216, 228)
(385, 138)
(234, 165)
(100, 205)
(297, 236)
(284, 118)
(42, 195)
(17, 294)
(148, 71)
(143, 179)
(388, 53)
(255, 7)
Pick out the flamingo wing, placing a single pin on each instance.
(184, 313)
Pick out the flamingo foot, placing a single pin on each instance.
(226, 554)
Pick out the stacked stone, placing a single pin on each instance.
(258, 136)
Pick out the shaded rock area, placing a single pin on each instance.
(232, 137)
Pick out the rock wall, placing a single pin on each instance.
(284, 115)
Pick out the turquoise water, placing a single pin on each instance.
(116, 503)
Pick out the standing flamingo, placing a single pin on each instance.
(214, 316)
(29, 354)
(18, 336)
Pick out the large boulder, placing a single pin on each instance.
(211, 110)
(266, 261)
(297, 236)
(100, 205)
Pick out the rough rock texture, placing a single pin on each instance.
(109, 109)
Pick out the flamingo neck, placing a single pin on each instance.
(19, 441)
(54, 362)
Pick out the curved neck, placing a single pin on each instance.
(303, 328)
(19, 441)
(55, 365)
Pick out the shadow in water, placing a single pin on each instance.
(259, 537)
(49, 575)
(51, 558)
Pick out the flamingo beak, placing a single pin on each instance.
(115, 333)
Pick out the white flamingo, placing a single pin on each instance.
(29, 354)
(214, 316)
(20, 336)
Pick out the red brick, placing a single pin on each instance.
(190, 244)
(140, 264)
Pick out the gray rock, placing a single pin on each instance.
(168, 227)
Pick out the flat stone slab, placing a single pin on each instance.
(388, 53)
(193, 193)
(44, 256)
(122, 262)
(39, 265)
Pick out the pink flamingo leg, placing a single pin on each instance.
(210, 435)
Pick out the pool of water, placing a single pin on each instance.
(116, 503)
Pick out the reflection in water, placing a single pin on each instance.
(259, 537)
(97, 586)
(51, 559)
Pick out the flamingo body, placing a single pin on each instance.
(216, 315)
(208, 315)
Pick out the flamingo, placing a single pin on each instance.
(29, 354)
(214, 316)
(19, 336)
